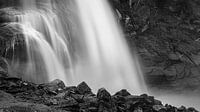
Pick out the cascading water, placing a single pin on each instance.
(107, 62)
(48, 54)
(100, 54)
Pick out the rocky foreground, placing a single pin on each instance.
(17, 95)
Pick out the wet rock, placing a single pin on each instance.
(171, 108)
(123, 92)
(67, 102)
(105, 101)
(28, 97)
(182, 109)
(6, 97)
(53, 87)
(78, 97)
(159, 108)
(91, 101)
(58, 83)
(7, 15)
(25, 107)
(83, 88)
(89, 104)
(157, 102)
(191, 109)
(3, 67)
(138, 110)
(70, 90)
(60, 96)
(103, 94)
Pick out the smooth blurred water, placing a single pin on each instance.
(77, 41)
(107, 61)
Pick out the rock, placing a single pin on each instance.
(182, 109)
(60, 96)
(53, 87)
(3, 67)
(9, 104)
(67, 102)
(8, 15)
(26, 107)
(123, 92)
(6, 97)
(159, 108)
(58, 83)
(78, 97)
(157, 102)
(191, 109)
(83, 88)
(90, 104)
(105, 102)
(70, 90)
(27, 97)
(103, 94)
(3, 73)
(138, 110)
(90, 101)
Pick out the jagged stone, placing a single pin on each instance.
(83, 88)
(103, 94)
(53, 87)
(105, 101)
(159, 108)
(77, 97)
(73, 101)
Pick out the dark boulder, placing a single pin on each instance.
(104, 95)
(83, 88)
(123, 92)
(105, 101)
(159, 108)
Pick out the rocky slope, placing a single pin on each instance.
(17, 95)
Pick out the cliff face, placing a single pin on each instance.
(166, 35)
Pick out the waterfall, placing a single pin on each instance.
(78, 41)
(108, 62)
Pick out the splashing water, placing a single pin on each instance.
(94, 51)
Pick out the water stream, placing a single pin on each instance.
(89, 48)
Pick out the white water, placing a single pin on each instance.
(107, 62)
(93, 49)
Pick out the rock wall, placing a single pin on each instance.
(166, 36)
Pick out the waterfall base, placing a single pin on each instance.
(54, 96)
